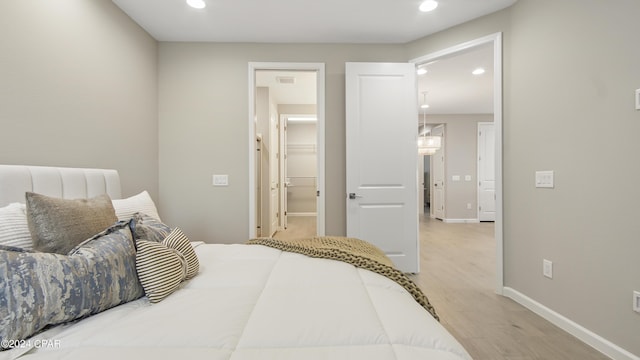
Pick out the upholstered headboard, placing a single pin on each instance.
(66, 183)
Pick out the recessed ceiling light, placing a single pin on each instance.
(421, 71)
(424, 106)
(197, 4)
(478, 71)
(428, 5)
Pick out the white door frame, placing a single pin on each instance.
(320, 86)
(496, 39)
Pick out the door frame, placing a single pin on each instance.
(320, 103)
(496, 40)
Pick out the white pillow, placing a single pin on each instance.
(14, 229)
(125, 208)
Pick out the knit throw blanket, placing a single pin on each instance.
(353, 251)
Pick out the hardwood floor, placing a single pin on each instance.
(298, 227)
(458, 276)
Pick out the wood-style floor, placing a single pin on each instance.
(457, 273)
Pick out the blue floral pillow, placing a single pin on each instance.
(40, 289)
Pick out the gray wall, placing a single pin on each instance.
(78, 84)
(204, 107)
(570, 71)
(578, 62)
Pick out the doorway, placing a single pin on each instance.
(495, 43)
(270, 112)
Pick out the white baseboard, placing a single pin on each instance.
(461, 221)
(585, 335)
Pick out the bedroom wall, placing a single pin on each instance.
(203, 119)
(78, 88)
(570, 71)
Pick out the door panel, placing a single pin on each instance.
(486, 172)
(382, 117)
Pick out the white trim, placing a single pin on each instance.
(320, 93)
(585, 335)
(496, 39)
(461, 221)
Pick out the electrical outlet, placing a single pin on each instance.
(547, 268)
(636, 301)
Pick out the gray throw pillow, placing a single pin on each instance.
(58, 225)
(41, 289)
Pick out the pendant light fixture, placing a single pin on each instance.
(427, 145)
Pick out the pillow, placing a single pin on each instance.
(125, 208)
(40, 289)
(179, 241)
(58, 225)
(14, 229)
(146, 227)
(163, 266)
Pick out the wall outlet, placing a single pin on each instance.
(468, 206)
(636, 301)
(547, 268)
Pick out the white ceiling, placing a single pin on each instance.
(451, 89)
(290, 21)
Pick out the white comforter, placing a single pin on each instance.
(253, 302)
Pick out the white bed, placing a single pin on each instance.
(246, 302)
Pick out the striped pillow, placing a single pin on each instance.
(179, 241)
(163, 266)
(14, 229)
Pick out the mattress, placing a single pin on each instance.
(254, 302)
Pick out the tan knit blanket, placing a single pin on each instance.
(353, 251)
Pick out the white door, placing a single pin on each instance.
(486, 172)
(437, 163)
(382, 179)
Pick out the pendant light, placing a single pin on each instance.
(427, 145)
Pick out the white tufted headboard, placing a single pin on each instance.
(67, 183)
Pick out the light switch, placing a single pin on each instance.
(637, 99)
(467, 178)
(455, 177)
(544, 179)
(220, 180)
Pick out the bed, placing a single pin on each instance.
(227, 302)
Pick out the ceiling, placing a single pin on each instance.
(449, 85)
(294, 21)
(451, 88)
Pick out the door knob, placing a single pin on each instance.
(353, 196)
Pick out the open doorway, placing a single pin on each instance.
(453, 113)
(287, 115)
